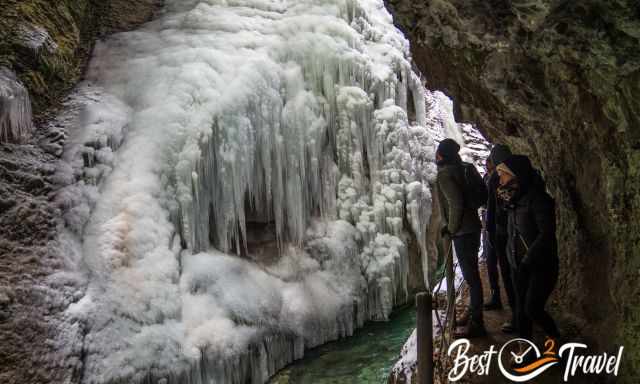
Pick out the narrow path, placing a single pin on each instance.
(494, 321)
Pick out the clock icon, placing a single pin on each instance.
(517, 350)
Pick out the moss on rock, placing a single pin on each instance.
(48, 43)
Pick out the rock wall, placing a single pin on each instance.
(559, 81)
(46, 44)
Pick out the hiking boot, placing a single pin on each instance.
(495, 303)
(474, 329)
(463, 319)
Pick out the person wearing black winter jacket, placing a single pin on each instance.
(531, 245)
(488, 250)
(497, 229)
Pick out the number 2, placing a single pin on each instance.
(550, 345)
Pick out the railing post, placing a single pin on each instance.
(425, 338)
(451, 291)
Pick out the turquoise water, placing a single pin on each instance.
(366, 357)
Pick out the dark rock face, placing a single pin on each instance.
(47, 44)
(559, 81)
(39, 346)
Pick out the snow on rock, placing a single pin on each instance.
(441, 123)
(440, 115)
(88, 154)
(36, 38)
(222, 114)
(408, 361)
(15, 108)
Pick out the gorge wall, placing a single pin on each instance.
(47, 45)
(44, 47)
(560, 82)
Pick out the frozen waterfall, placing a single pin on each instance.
(229, 123)
(15, 107)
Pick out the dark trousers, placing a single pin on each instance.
(492, 262)
(500, 256)
(533, 289)
(467, 247)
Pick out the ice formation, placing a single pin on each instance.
(226, 114)
(15, 107)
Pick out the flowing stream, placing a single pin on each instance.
(366, 357)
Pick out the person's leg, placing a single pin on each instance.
(542, 283)
(492, 263)
(523, 323)
(467, 247)
(492, 272)
(505, 269)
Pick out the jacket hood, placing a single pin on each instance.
(523, 170)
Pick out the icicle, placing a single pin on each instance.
(419, 100)
(15, 108)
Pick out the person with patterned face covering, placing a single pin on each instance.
(532, 248)
(497, 231)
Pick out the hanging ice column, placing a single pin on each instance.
(290, 113)
(15, 107)
(311, 103)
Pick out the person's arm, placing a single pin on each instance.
(454, 200)
(543, 211)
